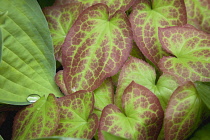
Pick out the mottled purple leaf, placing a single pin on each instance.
(145, 19)
(60, 82)
(76, 117)
(191, 49)
(95, 48)
(60, 19)
(39, 119)
(198, 14)
(184, 112)
(144, 74)
(141, 116)
(113, 5)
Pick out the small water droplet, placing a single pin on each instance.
(33, 98)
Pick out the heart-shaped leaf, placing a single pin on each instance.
(95, 48)
(141, 116)
(60, 20)
(198, 14)
(145, 19)
(104, 94)
(28, 64)
(114, 5)
(184, 112)
(39, 119)
(142, 73)
(76, 117)
(191, 49)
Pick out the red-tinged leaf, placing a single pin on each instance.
(142, 117)
(39, 119)
(198, 14)
(144, 74)
(60, 19)
(60, 82)
(76, 117)
(191, 49)
(104, 94)
(145, 19)
(95, 48)
(114, 5)
(184, 112)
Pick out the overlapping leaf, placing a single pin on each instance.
(113, 5)
(198, 14)
(28, 64)
(141, 118)
(184, 112)
(76, 117)
(60, 82)
(96, 47)
(142, 73)
(191, 49)
(147, 16)
(104, 94)
(37, 120)
(60, 20)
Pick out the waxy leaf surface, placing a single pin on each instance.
(184, 112)
(104, 94)
(147, 17)
(141, 116)
(76, 117)
(142, 73)
(95, 48)
(39, 119)
(114, 5)
(198, 14)
(60, 19)
(28, 64)
(191, 49)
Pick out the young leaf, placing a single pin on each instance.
(198, 14)
(145, 19)
(60, 82)
(104, 94)
(28, 64)
(142, 73)
(203, 89)
(191, 49)
(142, 117)
(60, 20)
(39, 119)
(184, 112)
(114, 5)
(76, 117)
(95, 48)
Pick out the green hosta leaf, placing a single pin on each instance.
(203, 89)
(142, 115)
(202, 133)
(147, 16)
(60, 82)
(96, 47)
(39, 119)
(184, 112)
(198, 14)
(60, 20)
(76, 117)
(142, 73)
(59, 138)
(104, 94)
(191, 49)
(1, 138)
(113, 5)
(28, 64)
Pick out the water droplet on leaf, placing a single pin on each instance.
(33, 98)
